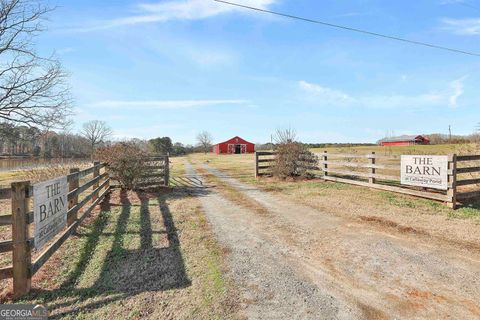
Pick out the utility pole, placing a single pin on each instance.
(450, 133)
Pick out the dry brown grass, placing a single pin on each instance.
(399, 212)
(143, 255)
(232, 194)
(52, 170)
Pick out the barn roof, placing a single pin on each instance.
(236, 137)
(402, 138)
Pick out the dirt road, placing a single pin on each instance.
(297, 262)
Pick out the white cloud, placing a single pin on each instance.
(326, 95)
(457, 87)
(323, 96)
(165, 104)
(468, 27)
(175, 10)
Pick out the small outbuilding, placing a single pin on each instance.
(236, 145)
(404, 141)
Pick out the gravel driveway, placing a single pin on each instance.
(297, 262)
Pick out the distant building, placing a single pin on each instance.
(236, 145)
(404, 141)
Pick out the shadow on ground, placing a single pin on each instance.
(125, 272)
(186, 182)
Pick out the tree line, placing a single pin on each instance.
(35, 98)
(22, 140)
(36, 103)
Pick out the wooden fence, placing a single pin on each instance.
(23, 268)
(383, 172)
(467, 178)
(158, 172)
(20, 193)
(264, 163)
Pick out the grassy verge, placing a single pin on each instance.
(143, 255)
(232, 193)
(7, 177)
(399, 150)
(177, 167)
(331, 196)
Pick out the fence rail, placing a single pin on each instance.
(20, 193)
(80, 205)
(383, 172)
(158, 172)
(468, 158)
(470, 164)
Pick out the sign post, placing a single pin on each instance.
(425, 171)
(50, 209)
(21, 249)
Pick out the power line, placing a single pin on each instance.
(468, 5)
(352, 29)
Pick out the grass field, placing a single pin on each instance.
(322, 195)
(142, 255)
(154, 255)
(443, 149)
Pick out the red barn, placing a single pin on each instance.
(404, 141)
(235, 145)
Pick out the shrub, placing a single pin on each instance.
(126, 161)
(293, 160)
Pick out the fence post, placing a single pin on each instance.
(166, 171)
(371, 180)
(256, 164)
(72, 185)
(96, 173)
(22, 259)
(325, 165)
(452, 182)
(107, 185)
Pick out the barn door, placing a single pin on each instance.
(244, 148)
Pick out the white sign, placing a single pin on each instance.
(50, 209)
(425, 171)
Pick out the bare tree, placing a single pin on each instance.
(33, 89)
(283, 136)
(204, 139)
(96, 132)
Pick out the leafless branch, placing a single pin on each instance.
(204, 139)
(33, 89)
(283, 136)
(96, 132)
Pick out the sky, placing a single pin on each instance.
(174, 68)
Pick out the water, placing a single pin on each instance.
(19, 164)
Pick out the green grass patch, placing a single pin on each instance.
(398, 201)
(470, 211)
(142, 255)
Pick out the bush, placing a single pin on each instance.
(126, 161)
(293, 160)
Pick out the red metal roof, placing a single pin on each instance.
(236, 140)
